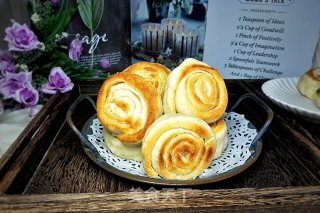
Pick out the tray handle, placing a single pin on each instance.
(97, 156)
(267, 122)
(90, 148)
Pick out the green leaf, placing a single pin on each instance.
(60, 22)
(91, 12)
(63, 6)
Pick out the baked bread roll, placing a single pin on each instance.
(194, 88)
(122, 150)
(127, 105)
(178, 146)
(309, 82)
(220, 130)
(155, 73)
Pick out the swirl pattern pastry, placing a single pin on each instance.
(155, 73)
(178, 147)
(127, 105)
(309, 82)
(220, 130)
(122, 150)
(194, 88)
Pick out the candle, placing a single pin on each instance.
(153, 38)
(171, 24)
(185, 43)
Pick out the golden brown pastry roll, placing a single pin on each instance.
(127, 105)
(220, 130)
(194, 88)
(122, 150)
(309, 82)
(178, 146)
(153, 72)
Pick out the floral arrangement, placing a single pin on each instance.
(186, 5)
(38, 63)
(177, 4)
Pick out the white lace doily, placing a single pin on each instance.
(240, 137)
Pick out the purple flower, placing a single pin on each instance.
(104, 63)
(75, 49)
(6, 64)
(20, 38)
(14, 81)
(58, 81)
(54, 2)
(5, 55)
(27, 96)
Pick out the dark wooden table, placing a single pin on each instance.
(46, 168)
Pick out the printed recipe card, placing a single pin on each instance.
(259, 39)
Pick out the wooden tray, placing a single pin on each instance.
(47, 170)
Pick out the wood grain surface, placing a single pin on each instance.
(28, 149)
(53, 173)
(187, 200)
